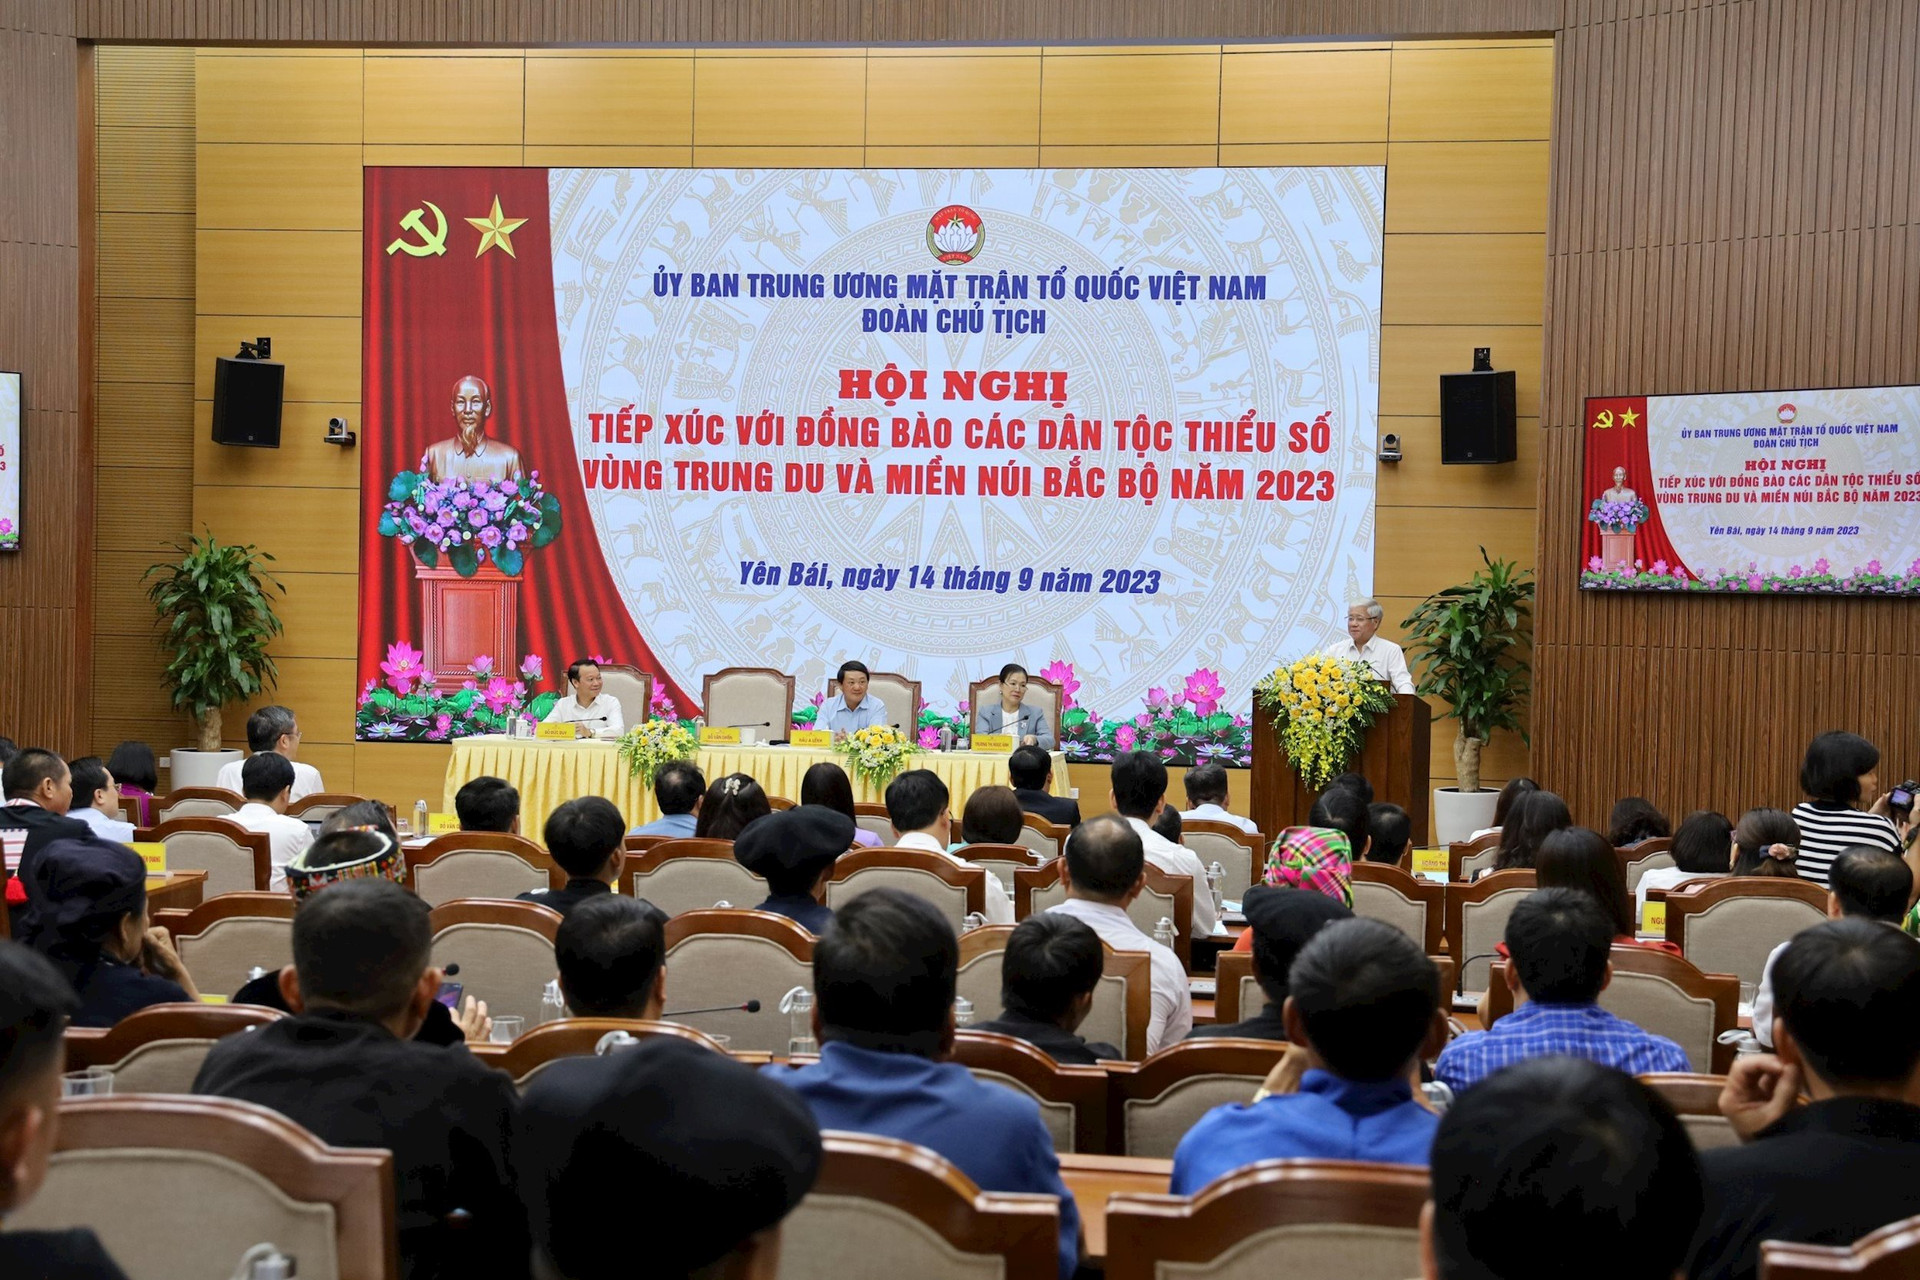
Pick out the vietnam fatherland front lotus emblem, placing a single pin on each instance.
(956, 235)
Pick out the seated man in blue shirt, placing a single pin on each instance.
(678, 787)
(1560, 941)
(1363, 1001)
(852, 708)
(884, 976)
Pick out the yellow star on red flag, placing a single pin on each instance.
(1627, 417)
(494, 230)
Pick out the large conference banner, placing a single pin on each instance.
(1811, 492)
(1117, 425)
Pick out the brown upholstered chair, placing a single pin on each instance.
(1152, 1104)
(321, 805)
(1467, 858)
(480, 864)
(1696, 1100)
(757, 696)
(196, 802)
(1072, 1099)
(1733, 923)
(632, 688)
(151, 1158)
(731, 957)
(954, 888)
(1122, 1003)
(234, 858)
(1166, 897)
(691, 875)
(1891, 1253)
(1661, 993)
(1048, 839)
(1417, 908)
(1236, 992)
(871, 816)
(1238, 853)
(898, 694)
(540, 1047)
(159, 1049)
(225, 938)
(779, 803)
(504, 950)
(1044, 694)
(1477, 920)
(1644, 857)
(1004, 860)
(640, 844)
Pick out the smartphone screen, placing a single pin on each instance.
(450, 994)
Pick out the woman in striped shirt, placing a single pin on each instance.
(1839, 773)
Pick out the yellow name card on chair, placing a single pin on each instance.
(821, 738)
(1653, 920)
(997, 743)
(154, 854)
(710, 736)
(1431, 864)
(557, 731)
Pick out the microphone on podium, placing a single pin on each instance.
(751, 1006)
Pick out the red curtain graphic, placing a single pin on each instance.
(1617, 437)
(472, 308)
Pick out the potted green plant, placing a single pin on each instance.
(216, 619)
(1469, 642)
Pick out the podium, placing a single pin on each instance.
(1395, 758)
(462, 618)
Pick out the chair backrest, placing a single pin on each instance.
(899, 694)
(140, 1171)
(1637, 863)
(871, 816)
(1891, 1253)
(632, 688)
(640, 844)
(749, 695)
(196, 802)
(692, 875)
(884, 1208)
(1417, 908)
(1043, 695)
(1461, 850)
(1733, 923)
(1695, 1098)
(731, 957)
(224, 939)
(1236, 992)
(1155, 1102)
(1072, 1099)
(951, 886)
(1165, 897)
(779, 803)
(1004, 860)
(234, 858)
(1477, 920)
(540, 1047)
(1048, 839)
(504, 950)
(1122, 1003)
(1237, 852)
(481, 864)
(321, 805)
(130, 810)
(159, 1049)
(1303, 1219)
(1658, 992)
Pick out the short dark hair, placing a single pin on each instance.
(573, 668)
(1012, 668)
(884, 974)
(1583, 859)
(992, 816)
(265, 775)
(132, 765)
(343, 845)
(730, 804)
(1634, 818)
(583, 833)
(677, 786)
(1535, 816)
(1105, 856)
(1051, 960)
(845, 667)
(1755, 835)
(1834, 763)
(487, 804)
(361, 947)
(1849, 991)
(1028, 767)
(1560, 941)
(1343, 809)
(609, 950)
(1166, 824)
(362, 813)
(1390, 829)
(1503, 804)
(89, 779)
(267, 726)
(1139, 783)
(1354, 782)
(1563, 1159)
(1367, 994)
(35, 1002)
(1206, 784)
(1871, 883)
(26, 771)
(1701, 844)
(915, 799)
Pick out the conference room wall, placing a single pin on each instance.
(281, 135)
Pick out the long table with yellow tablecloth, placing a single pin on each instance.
(549, 773)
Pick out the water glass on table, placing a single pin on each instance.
(506, 1028)
(89, 1082)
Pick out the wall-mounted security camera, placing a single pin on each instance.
(1390, 447)
(337, 433)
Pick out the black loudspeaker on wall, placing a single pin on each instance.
(1476, 417)
(246, 401)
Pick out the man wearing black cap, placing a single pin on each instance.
(1283, 921)
(715, 1154)
(795, 850)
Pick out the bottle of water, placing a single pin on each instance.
(797, 1004)
(420, 817)
(256, 973)
(971, 921)
(962, 1012)
(1215, 874)
(553, 1005)
(1163, 933)
(723, 905)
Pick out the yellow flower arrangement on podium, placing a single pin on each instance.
(876, 753)
(652, 743)
(1322, 708)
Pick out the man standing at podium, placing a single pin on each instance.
(1363, 644)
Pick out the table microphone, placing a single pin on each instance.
(751, 1006)
(758, 724)
(1460, 977)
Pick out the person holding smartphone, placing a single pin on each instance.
(1845, 807)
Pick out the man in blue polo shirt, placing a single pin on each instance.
(884, 978)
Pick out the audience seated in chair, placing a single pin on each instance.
(826, 784)
(587, 838)
(1389, 832)
(1847, 1032)
(35, 1002)
(275, 729)
(360, 814)
(1031, 771)
(992, 815)
(1579, 858)
(728, 806)
(1139, 792)
(1863, 883)
(266, 781)
(1363, 1002)
(794, 851)
(1166, 824)
(1535, 816)
(96, 800)
(1279, 923)
(1206, 786)
(39, 789)
(612, 952)
(87, 912)
(678, 787)
(1699, 853)
(707, 1151)
(1048, 972)
(137, 773)
(1104, 868)
(1766, 842)
(1503, 805)
(917, 805)
(1560, 941)
(1635, 819)
(346, 1067)
(1560, 1167)
(487, 804)
(883, 1014)
(1320, 855)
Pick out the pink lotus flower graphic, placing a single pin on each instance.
(499, 695)
(1204, 691)
(1124, 738)
(403, 666)
(1061, 673)
(531, 667)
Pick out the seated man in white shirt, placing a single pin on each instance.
(1104, 869)
(96, 800)
(918, 806)
(1139, 792)
(274, 729)
(1207, 794)
(1363, 644)
(1864, 882)
(266, 780)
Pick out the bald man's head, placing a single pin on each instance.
(472, 404)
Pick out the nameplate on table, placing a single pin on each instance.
(558, 731)
(154, 854)
(442, 824)
(1653, 920)
(714, 736)
(818, 738)
(995, 743)
(1430, 864)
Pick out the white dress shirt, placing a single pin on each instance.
(999, 907)
(1178, 860)
(569, 711)
(306, 779)
(1664, 878)
(1214, 813)
(1172, 1014)
(1384, 656)
(104, 826)
(289, 837)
